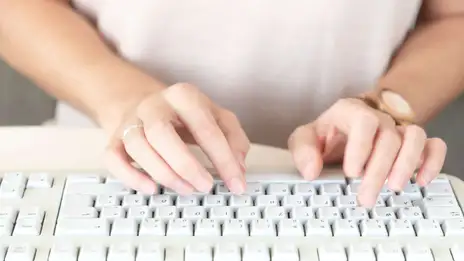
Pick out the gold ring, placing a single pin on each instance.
(130, 128)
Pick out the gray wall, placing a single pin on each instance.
(21, 103)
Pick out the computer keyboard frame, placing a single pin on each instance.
(174, 246)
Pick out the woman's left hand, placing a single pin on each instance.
(370, 145)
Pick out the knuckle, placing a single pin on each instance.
(368, 117)
(416, 131)
(207, 132)
(391, 138)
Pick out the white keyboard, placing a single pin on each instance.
(92, 217)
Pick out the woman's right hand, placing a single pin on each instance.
(154, 134)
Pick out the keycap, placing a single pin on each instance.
(63, 252)
(150, 252)
(92, 252)
(21, 252)
(152, 227)
(332, 252)
(39, 180)
(227, 252)
(121, 252)
(198, 252)
(284, 252)
(82, 226)
(389, 252)
(256, 252)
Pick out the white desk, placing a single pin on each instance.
(58, 149)
(34, 148)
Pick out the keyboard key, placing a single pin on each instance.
(110, 213)
(214, 201)
(275, 213)
(227, 252)
(198, 252)
(83, 226)
(180, 227)
(290, 201)
(356, 213)
(331, 190)
(290, 227)
(318, 201)
(318, 227)
(160, 200)
(418, 252)
(84, 178)
(152, 227)
(438, 189)
(150, 252)
(63, 252)
(278, 189)
(207, 227)
(361, 252)
(390, 251)
(133, 200)
(453, 227)
(39, 180)
(107, 201)
(78, 212)
(373, 228)
(121, 252)
(400, 228)
(237, 201)
(284, 252)
(254, 189)
(256, 252)
(441, 213)
(302, 213)
(262, 227)
(235, 227)
(194, 213)
(304, 189)
(263, 201)
(220, 213)
(345, 228)
(21, 252)
(124, 227)
(248, 213)
(92, 252)
(428, 228)
(332, 252)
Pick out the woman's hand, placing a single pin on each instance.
(369, 144)
(154, 135)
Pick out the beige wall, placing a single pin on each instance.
(21, 103)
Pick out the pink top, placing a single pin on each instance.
(276, 64)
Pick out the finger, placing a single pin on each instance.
(140, 150)
(195, 111)
(360, 142)
(235, 135)
(385, 150)
(118, 163)
(434, 159)
(414, 139)
(166, 142)
(306, 151)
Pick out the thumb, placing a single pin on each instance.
(306, 149)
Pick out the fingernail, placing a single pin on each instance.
(308, 170)
(205, 183)
(183, 188)
(237, 185)
(149, 188)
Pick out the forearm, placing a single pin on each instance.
(428, 69)
(64, 55)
